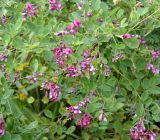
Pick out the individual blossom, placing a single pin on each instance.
(155, 54)
(3, 57)
(150, 135)
(88, 14)
(84, 102)
(126, 36)
(141, 40)
(29, 11)
(54, 5)
(2, 131)
(80, 4)
(151, 68)
(102, 116)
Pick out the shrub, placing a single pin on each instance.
(79, 69)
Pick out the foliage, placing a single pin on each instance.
(79, 69)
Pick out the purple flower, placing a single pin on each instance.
(3, 57)
(54, 92)
(2, 131)
(72, 71)
(151, 136)
(74, 110)
(84, 121)
(60, 54)
(28, 6)
(126, 36)
(80, 4)
(76, 23)
(54, 5)
(29, 11)
(151, 68)
(138, 132)
(155, 54)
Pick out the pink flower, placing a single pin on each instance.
(29, 11)
(28, 6)
(74, 110)
(54, 5)
(84, 121)
(54, 92)
(72, 71)
(60, 54)
(77, 23)
(68, 51)
(126, 36)
(149, 66)
(2, 131)
(155, 54)
(138, 132)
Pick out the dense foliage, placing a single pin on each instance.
(79, 69)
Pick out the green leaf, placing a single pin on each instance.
(139, 109)
(132, 43)
(32, 125)
(70, 130)
(96, 4)
(48, 113)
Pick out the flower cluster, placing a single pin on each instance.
(86, 63)
(84, 121)
(73, 71)
(151, 68)
(54, 5)
(73, 27)
(60, 54)
(70, 29)
(138, 132)
(127, 36)
(155, 54)
(2, 131)
(33, 78)
(52, 90)
(74, 110)
(29, 11)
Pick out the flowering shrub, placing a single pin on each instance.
(79, 69)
